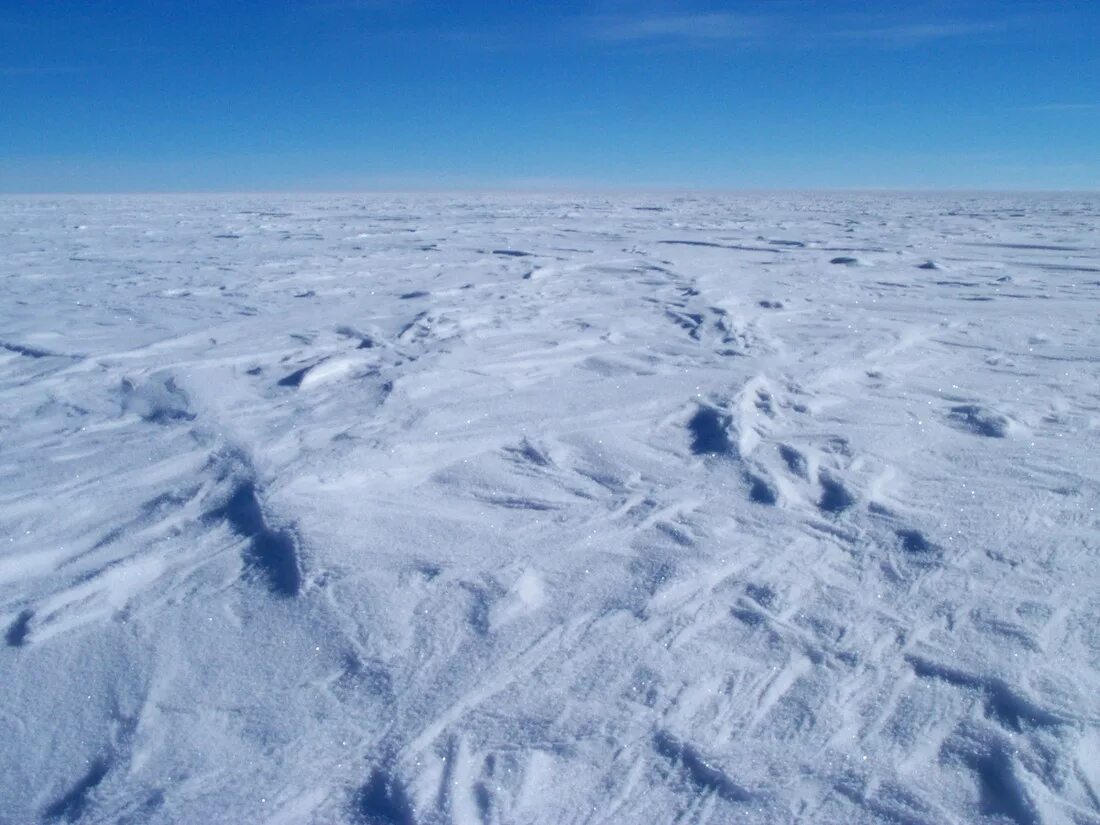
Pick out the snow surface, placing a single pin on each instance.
(513, 509)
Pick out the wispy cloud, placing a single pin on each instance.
(352, 5)
(26, 71)
(700, 28)
(790, 29)
(916, 33)
(1061, 107)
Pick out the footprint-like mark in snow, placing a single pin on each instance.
(274, 553)
(973, 418)
(710, 432)
(796, 462)
(914, 541)
(1003, 794)
(760, 490)
(835, 497)
(19, 630)
(383, 800)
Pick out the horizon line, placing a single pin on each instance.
(562, 190)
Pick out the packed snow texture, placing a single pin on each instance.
(509, 509)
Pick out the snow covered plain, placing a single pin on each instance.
(503, 509)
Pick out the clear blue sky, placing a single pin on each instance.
(397, 94)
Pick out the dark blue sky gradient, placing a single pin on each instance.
(346, 95)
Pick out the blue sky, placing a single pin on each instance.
(414, 94)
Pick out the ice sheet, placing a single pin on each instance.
(506, 508)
